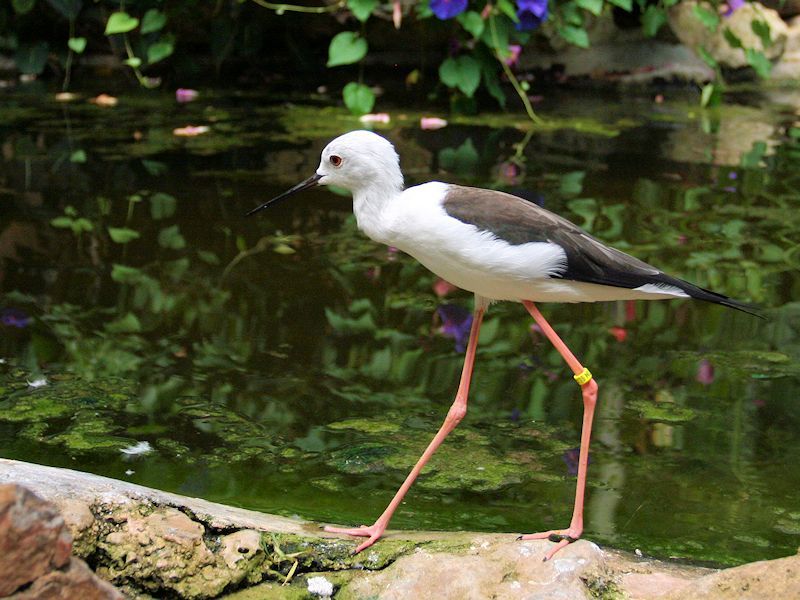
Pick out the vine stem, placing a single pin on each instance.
(68, 65)
(511, 77)
(282, 8)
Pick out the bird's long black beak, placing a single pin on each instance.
(304, 185)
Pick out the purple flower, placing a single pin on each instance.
(705, 372)
(733, 6)
(531, 14)
(571, 458)
(447, 9)
(13, 317)
(456, 323)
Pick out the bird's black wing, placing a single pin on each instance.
(519, 221)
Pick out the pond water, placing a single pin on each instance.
(285, 363)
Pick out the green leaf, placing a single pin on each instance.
(358, 98)
(593, 6)
(752, 158)
(652, 20)
(571, 183)
(711, 95)
(731, 38)
(153, 20)
(61, 222)
(125, 274)
(575, 35)
(346, 48)
(22, 7)
(154, 167)
(759, 62)
(68, 9)
(120, 22)
(508, 9)
(160, 50)
(122, 235)
(31, 58)
(362, 9)
(162, 206)
(463, 159)
(471, 22)
(705, 55)
(762, 30)
(498, 37)
(626, 5)
(706, 16)
(171, 238)
(208, 257)
(133, 62)
(571, 14)
(463, 73)
(78, 157)
(128, 324)
(77, 45)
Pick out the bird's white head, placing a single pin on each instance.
(356, 161)
(361, 159)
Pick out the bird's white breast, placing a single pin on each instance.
(475, 260)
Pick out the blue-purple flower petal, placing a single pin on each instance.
(531, 14)
(447, 9)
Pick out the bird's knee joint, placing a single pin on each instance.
(456, 413)
(589, 390)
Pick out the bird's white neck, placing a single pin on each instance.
(371, 204)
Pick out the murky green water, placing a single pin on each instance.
(285, 363)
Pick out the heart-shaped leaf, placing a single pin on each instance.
(463, 73)
(362, 9)
(346, 48)
(153, 20)
(159, 51)
(121, 22)
(77, 45)
(134, 62)
(358, 98)
(22, 7)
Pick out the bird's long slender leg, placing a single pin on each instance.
(454, 416)
(589, 391)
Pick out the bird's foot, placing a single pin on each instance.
(562, 537)
(373, 532)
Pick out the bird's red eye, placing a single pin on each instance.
(336, 160)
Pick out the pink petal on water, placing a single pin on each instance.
(375, 118)
(432, 123)
(191, 130)
(184, 95)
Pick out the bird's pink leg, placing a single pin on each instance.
(589, 390)
(454, 416)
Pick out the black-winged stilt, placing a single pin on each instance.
(499, 247)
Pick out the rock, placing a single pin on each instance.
(35, 548)
(692, 33)
(491, 568)
(778, 578)
(33, 538)
(80, 521)
(167, 550)
(76, 581)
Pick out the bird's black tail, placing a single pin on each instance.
(713, 297)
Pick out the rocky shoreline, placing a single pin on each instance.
(152, 544)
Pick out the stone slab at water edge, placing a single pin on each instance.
(153, 544)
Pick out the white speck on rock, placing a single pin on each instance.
(137, 449)
(515, 585)
(37, 383)
(564, 565)
(638, 552)
(319, 586)
(524, 550)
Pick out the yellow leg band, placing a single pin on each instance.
(583, 377)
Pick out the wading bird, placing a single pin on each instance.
(500, 247)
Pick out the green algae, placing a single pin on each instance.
(668, 412)
(465, 461)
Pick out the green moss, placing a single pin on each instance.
(668, 412)
(91, 432)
